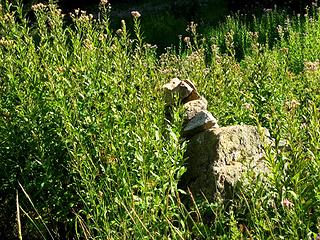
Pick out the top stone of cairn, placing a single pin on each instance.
(183, 91)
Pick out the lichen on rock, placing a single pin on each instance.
(219, 156)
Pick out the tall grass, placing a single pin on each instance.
(83, 128)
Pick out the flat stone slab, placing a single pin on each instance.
(202, 121)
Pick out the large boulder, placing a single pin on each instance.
(217, 158)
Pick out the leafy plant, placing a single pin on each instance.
(83, 127)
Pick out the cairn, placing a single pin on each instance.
(216, 157)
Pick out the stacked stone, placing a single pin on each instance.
(215, 157)
(197, 117)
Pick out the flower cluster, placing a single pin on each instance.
(311, 66)
(88, 44)
(81, 15)
(104, 2)
(196, 57)
(52, 8)
(192, 28)
(284, 50)
(8, 17)
(135, 14)
(186, 39)
(102, 36)
(287, 203)
(248, 106)
(119, 32)
(5, 42)
(61, 69)
(56, 11)
(38, 7)
(105, 5)
(291, 105)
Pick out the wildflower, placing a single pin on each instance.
(206, 71)
(294, 103)
(8, 17)
(135, 14)
(149, 46)
(84, 18)
(291, 105)
(280, 31)
(59, 11)
(287, 203)
(192, 28)
(100, 194)
(54, 10)
(136, 198)
(254, 35)
(186, 39)
(311, 66)
(51, 6)
(247, 106)
(88, 44)
(60, 69)
(6, 43)
(113, 48)
(285, 50)
(195, 57)
(304, 125)
(37, 7)
(102, 36)
(215, 49)
(104, 2)
(119, 32)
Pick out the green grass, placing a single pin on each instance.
(84, 140)
(164, 22)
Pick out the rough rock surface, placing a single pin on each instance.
(216, 159)
(194, 107)
(183, 91)
(176, 89)
(191, 84)
(202, 121)
(194, 95)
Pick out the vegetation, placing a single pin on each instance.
(87, 153)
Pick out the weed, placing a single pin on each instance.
(83, 130)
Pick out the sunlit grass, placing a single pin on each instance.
(83, 127)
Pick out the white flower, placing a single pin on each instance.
(135, 14)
